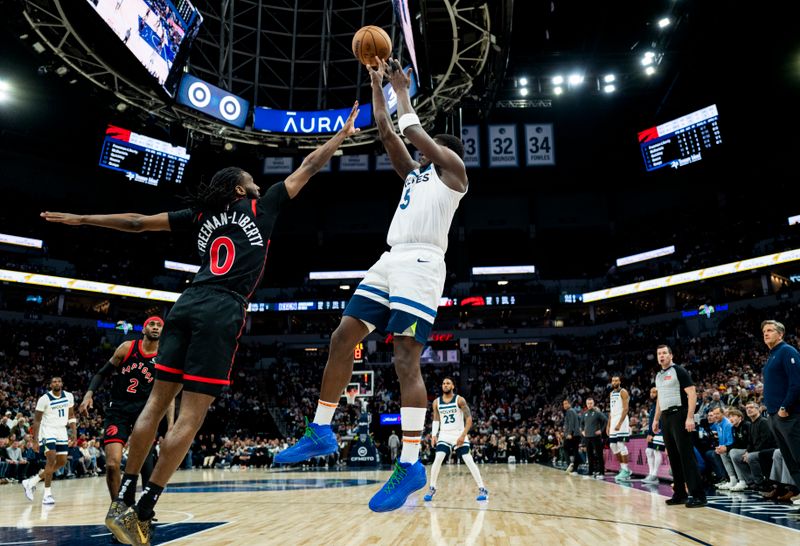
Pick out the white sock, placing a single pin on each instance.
(437, 466)
(33, 480)
(410, 451)
(325, 411)
(468, 460)
(656, 461)
(47, 491)
(623, 466)
(413, 420)
(649, 453)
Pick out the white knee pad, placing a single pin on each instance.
(614, 446)
(622, 449)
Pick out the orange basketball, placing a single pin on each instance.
(370, 42)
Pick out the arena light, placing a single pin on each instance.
(609, 88)
(523, 81)
(650, 70)
(794, 220)
(336, 275)
(649, 255)
(505, 270)
(180, 266)
(664, 22)
(575, 79)
(694, 276)
(558, 80)
(558, 90)
(524, 91)
(7, 239)
(608, 78)
(24, 277)
(5, 91)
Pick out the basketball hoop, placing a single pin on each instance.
(351, 393)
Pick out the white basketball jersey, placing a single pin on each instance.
(451, 418)
(425, 211)
(55, 410)
(616, 413)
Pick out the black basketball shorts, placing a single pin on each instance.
(200, 339)
(118, 426)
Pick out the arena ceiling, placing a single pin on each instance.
(295, 54)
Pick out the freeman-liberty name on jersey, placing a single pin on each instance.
(233, 243)
(218, 220)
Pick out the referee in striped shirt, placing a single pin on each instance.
(675, 407)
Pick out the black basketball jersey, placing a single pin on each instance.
(233, 243)
(133, 381)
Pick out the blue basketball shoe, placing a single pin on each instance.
(405, 479)
(483, 494)
(318, 440)
(429, 496)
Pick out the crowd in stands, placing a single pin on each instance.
(515, 393)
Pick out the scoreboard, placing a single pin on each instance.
(142, 158)
(681, 141)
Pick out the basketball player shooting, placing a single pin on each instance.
(232, 223)
(401, 291)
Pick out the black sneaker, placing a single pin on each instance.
(676, 500)
(129, 529)
(696, 502)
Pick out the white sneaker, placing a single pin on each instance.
(29, 489)
(650, 479)
(741, 486)
(570, 468)
(48, 499)
(724, 485)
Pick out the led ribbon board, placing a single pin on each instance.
(694, 276)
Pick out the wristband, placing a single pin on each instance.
(406, 121)
(435, 427)
(71, 421)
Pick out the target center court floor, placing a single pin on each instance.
(528, 504)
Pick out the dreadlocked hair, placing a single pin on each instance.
(218, 192)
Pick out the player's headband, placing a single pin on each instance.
(149, 319)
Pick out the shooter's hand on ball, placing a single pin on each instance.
(378, 72)
(400, 80)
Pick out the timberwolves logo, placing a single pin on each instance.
(362, 451)
(112, 430)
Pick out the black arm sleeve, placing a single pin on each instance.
(182, 220)
(100, 376)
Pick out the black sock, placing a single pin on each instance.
(127, 489)
(150, 495)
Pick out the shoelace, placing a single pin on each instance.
(397, 477)
(309, 433)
